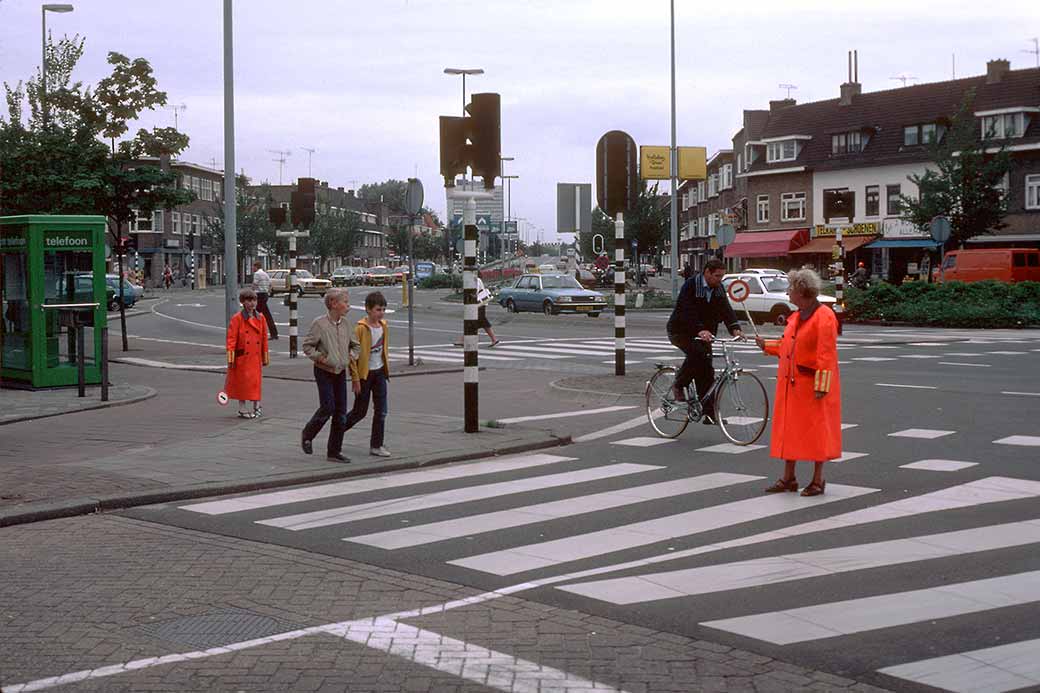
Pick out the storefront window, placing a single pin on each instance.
(15, 351)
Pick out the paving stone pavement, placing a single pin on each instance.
(81, 594)
(23, 405)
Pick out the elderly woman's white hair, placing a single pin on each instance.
(336, 294)
(806, 282)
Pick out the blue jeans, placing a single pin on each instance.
(332, 398)
(374, 387)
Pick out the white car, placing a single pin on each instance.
(763, 270)
(306, 283)
(767, 296)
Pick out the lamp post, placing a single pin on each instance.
(509, 191)
(43, 64)
(463, 71)
(230, 194)
(674, 256)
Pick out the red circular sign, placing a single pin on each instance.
(739, 290)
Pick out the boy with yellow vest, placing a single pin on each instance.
(370, 371)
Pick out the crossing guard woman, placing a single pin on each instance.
(246, 355)
(807, 413)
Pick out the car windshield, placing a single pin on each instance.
(303, 274)
(777, 283)
(380, 270)
(560, 282)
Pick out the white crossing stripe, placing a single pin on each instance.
(448, 354)
(375, 483)
(920, 356)
(1024, 394)
(926, 433)
(884, 611)
(939, 465)
(873, 358)
(961, 363)
(542, 512)
(617, 428)
(1019, 440)
(551, 553)
(524, 352)
(628, 347)
(644, 441)
(730, 448)
(990, 670)
(569, 351)
(426, 357)
(847, 456)
(1009, 353)
(425, 501)
(800, 566)
(566, 414)
(912, 387)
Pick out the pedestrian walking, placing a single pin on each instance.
(167, 276)
(328, 344)
(483, 299)
(370, 371)
(262, 287)
(807, 409)
(246, 356)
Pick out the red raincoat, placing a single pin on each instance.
(246, 355)
(804, 427)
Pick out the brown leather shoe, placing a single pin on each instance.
(780, 486)
(814, 489)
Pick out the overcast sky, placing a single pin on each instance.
(362, 82)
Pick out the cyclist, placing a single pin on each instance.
(701, 306)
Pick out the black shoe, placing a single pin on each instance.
(306, 444)
(337, 457)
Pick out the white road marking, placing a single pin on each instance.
(566, 414)
(990, 670)
(920, 356)
(799, 566)
(542, 512)
(222, 347)
(956, 363)
(628, 361)
(884, 611)
(926, 433)
(438, 499)
(1009, 353)
(643, 441)
(376, 483)
(880, 346)
(134, 361)
(963, 353)
(847, 456)
(579, 546)
(617, 428)
(1023, 394)
(730, 448)
(1019, 440)
(447, 354)
(939, 465)
(873, 358)
(554, 351)
(186, 322)
(912, 387)
(848, 425)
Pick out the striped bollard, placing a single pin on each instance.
(839, 282)
(469, 327)
(293, 323)
(619, 295)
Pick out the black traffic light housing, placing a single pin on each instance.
(302, 202)
(474, 141)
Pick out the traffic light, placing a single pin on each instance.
(474, 141)
(302, 202)
(454, 150)
(277, 216)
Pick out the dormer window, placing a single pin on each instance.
(786, 150)
(1003, 126)
(925, 133)
(847, 143)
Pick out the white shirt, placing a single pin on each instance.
(261, 282)
(375, 356)
(483, 295)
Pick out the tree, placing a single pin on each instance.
(965, 184)
(391, 193)
(648, 221)
(333, 236)
(397, 239)
(602, 225)
(253, 227)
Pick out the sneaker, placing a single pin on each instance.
(379, 452)
(258, 412)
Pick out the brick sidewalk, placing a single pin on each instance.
(91, 594)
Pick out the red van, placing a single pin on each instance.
(1002, 264)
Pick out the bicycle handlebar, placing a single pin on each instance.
(713, 340)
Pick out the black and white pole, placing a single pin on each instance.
(191, 267)
(294, 330)
(839, 281)
(619, 295)
(469, 327)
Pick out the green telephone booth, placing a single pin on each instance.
(52, 280)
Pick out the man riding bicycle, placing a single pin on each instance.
(701, 306)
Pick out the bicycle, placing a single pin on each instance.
(741, 402)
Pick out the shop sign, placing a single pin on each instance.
(12, 241)
(172, 243)
(864, 229)
(901, 228)
(67, 240)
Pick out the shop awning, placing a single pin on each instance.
(822, 246)
(767, 243)
(904, 243)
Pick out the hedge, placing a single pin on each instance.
(950, 304)
(441, 281)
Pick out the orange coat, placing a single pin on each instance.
(246, 355)
(804, 427)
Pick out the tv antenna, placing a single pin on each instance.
(282, 154)
(177, 109)
(1036, 49)
(904, 78)
(310, 153)
(788, 87)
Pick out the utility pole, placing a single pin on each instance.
(282, 154)
(310, 153)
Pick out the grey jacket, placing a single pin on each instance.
(329, 345)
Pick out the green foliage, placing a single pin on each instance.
(253, 229)
(648, 224)
(951, 304)
(391, 192)
(333, 236)
(441, 281)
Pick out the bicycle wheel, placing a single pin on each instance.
(742, 408)
(668, 417)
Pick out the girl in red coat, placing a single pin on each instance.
(246, 356)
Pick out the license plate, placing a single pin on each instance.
(583, 307)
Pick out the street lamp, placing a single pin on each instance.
(61, 8)
(509, 189)
(463, 71)
(502, 170)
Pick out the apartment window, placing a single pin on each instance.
(1004, 126)
(873, 200)
(792, 206)
(726, 177)
(847, 143)
(216, 190)
(925, 133)
(895, 206)
(762, 209)
(196, 224)
(700, 191)
(911, 135)
(713, 184)
(781, 151)
(929, 133)
(1033, 191)
(176, 217)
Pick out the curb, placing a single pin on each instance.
(593, 396)
(88, 505)
(99, 405)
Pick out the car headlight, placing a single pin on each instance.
(564, 299)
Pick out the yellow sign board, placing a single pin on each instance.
(866, 229)
(655, 163)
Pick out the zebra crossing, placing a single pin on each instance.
(478, 520)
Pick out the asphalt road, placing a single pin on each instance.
(892, 567)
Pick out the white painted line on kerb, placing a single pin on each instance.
(343, 488)
(565, 414)
(467, 494)
(962, 363)
(148, 363)
(884, 611)
(912, 387)
(617, 428)
(636, 534)
(993, 669)
(542, 512)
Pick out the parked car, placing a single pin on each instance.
(348, 276)
(762, 270)
(547, 268)
(768, 296)
(379, 276)
(306, 283)
(586, 278)
(399, 273)
(131, 292)
(551, 294)
(648, 270)
(1002, 264)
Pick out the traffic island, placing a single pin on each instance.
(25, 405)
(604, 389)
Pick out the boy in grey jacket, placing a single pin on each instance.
(328, 344)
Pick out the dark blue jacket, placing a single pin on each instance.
(700, 308)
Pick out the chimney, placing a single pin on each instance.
(996, 69)
(340, 188)
(775, 106)
(852, 88)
